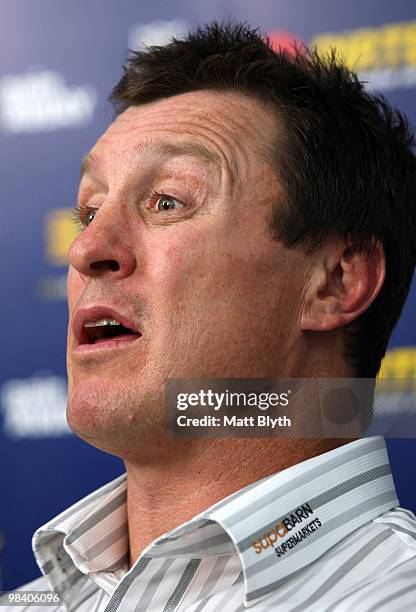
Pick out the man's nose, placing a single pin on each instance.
(103, 248)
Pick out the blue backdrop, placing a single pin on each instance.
(58, 62)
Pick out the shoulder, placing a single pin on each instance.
(25, 597)
(402, 522)
(394, 589)
(391, 585)
(390, 582)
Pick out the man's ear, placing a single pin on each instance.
(344, 281)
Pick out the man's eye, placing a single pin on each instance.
(89, 217)
(81, 218)
(165, 202)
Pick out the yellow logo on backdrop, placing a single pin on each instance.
(387, 46)
(399, 363)
(60, 232)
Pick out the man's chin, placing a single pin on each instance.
(113, 422)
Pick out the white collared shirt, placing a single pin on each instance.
(325, 535)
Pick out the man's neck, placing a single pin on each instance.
(189, 476)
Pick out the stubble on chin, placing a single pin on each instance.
(118, 421)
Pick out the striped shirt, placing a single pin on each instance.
(325, 535)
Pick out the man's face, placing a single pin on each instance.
(177, 198)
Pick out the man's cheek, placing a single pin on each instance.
(174, 264)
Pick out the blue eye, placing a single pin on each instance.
(80, 218)
(165, 203)
(89, 217)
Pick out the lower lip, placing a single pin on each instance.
(105, 344)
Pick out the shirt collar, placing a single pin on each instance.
(277, 525)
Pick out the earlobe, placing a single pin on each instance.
(344, 282)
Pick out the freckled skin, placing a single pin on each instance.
(211, 292)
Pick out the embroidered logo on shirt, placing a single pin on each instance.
(282, 528)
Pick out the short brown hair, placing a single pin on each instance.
(347, 164)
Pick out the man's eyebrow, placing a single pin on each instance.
(192, 149)
(163, 150)
(88, 161)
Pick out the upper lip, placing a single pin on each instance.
(95, 313)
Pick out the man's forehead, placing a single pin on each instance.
(161, 150)
(213, 104)
(227, 115)
(221, 128)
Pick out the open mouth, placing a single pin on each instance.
(107, 331)
(102, 327)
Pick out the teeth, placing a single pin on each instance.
(102, 323)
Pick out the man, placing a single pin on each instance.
(249, 214)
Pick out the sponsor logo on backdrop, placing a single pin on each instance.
(155, 33)
(41, 101)
(52, 288)
(399, 363)
(384, 56)
(394, 400)
(281, 39)
(59, 232)
(34, 407)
